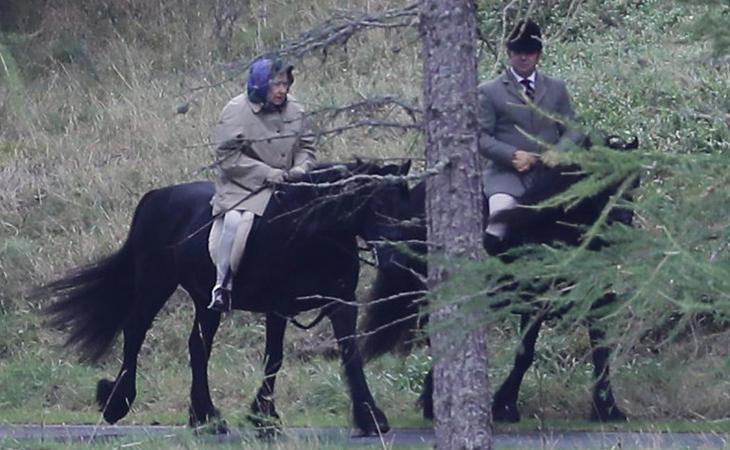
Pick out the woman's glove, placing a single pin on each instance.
(275, 176)
(295, 173)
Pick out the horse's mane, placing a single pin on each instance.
(331, 171)
(332, 189)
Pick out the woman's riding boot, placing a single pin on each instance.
(221, 301)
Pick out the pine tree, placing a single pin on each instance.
(461, 388)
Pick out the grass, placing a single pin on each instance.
(48, 388)
(185, 441)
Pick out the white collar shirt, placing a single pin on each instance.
(532, 77)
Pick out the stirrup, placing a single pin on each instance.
(493, 244)
(221, 299)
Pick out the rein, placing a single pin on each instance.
(324, 312)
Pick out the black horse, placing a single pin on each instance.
(399, 281)
(302, 254)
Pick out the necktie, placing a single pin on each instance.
(529, 90)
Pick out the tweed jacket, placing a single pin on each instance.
(503, 111)
(276, 142)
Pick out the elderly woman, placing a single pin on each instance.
(261, 141)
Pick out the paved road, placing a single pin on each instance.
(547, 440)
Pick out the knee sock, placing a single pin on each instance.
(231, 220)
(497, 203)
(239, 243)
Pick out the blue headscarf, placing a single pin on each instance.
(261, 73)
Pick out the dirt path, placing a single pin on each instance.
(547, 440)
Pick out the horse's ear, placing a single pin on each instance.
(586, 142)
(633, 144)
(613, 141)
(618, 143)
(404, 168)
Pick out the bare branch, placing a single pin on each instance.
(383, 178)
(324, 132)
(503, 37)
(572, 10)
(369, 303)
(364, 106)
(368, 105)
(243, 143)
(336, 31)
(340, 29)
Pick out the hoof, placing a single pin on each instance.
(425, 400)
(268, 433)
(264, 421)
(425, 404)
(505, 412)
(264, 417)
(113, 407)
(267, 427)
(214, 427)
(370, 420)
(209, 422)
(609, 414)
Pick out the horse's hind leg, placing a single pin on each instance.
(425, 400)
(200, 344)
(151, 291)
(604, 408)
(263, 411)
(367, 416)
(504, 404)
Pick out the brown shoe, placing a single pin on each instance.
(221, 300)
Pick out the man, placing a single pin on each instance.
(514, 127)
(260, 141)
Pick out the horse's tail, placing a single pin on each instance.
(95, 301)
(392, 316)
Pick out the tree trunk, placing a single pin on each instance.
(453, 202)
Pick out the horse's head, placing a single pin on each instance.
(387, 209)
(383, 196)
(362, 197)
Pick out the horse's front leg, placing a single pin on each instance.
(200, 344)
(504, 404)
(263, 412)
(604, 408)
(366, 415)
